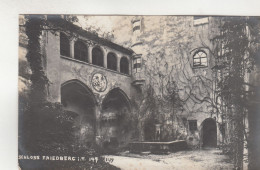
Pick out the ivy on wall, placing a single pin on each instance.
(34, 26)
(46, 128)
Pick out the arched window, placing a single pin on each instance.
(111, 61)
(124, 66)
(200, 59)
(97, 56)
(64, 45)
(80, 51)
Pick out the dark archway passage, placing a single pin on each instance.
(115, 109)
(209, 133)
(78, 98)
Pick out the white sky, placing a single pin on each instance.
(120, 26)
(105, 22)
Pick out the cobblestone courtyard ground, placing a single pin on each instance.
(210, 159)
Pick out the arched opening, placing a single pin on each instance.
(78, 98)
(80, 51)
(111, 61)
(124, 65)
(64, 45)
(200, 59)
(209, 133)
(115, 124)
(97, 56)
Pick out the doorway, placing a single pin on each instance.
(209, 133)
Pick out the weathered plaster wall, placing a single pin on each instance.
(51, 45)
(167, 42)
(60, 69)
(167, 45)
(84, 72)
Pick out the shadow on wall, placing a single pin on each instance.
(76, 97)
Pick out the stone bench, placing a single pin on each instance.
(158, 147)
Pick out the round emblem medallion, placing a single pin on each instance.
(99, 82)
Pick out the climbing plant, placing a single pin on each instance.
(34, 25)
(235, 56)
(45, 128)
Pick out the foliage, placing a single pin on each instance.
(34, 26)
(144, 109)
(49, 130)
(158, 107)
(235, 56)
(44, 127)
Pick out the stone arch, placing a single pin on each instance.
(80, 51)
(116, 108)
(122, 93)
(124, 65)
(78, 98)
(83, 85)
(98, 56)
(112, 61)
(209, 133)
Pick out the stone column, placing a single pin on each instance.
(90, 54)
(53, 70)
(105, 58)
(72, 42)
(130, 65)
(118, 62)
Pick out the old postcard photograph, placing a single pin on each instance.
(138, 92)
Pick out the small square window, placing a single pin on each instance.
(136, 28)
(137, 65)
(200, 20)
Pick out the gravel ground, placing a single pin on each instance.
(210, 159)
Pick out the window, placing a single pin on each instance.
(200, 20)
(136, 28)
(124, 66)
(193, 125)
(111, 61)
(200, 59)
(136, 23)
(64, 45)
(81, 51)
(97, 56)
(137, 64)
